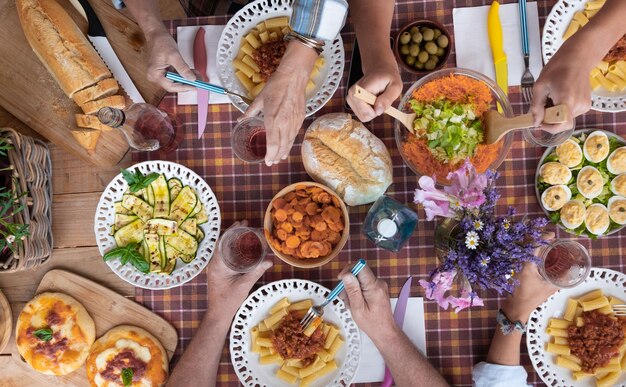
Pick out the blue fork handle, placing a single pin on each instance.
(339, 288)
(524, 26)
(199, 84)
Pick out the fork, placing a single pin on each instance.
(620, 310)
(205, 85)
(317, 311)
(528, 81)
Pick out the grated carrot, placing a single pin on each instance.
(459, 89)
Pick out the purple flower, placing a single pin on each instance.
(435, 202)
(437, 287)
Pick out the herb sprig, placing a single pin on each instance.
(44, 334)
(136, 180)
(129, 253)
(11, 234)
(4, 146)
(127, 376)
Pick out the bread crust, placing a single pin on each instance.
(341, 153)
(60, 45)
(41, 305)
(104, 88)
(133, 333)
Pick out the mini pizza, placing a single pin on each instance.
(54, 333)
(127, 356)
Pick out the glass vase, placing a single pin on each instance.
(446, 234)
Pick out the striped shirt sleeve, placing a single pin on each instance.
(319, 19)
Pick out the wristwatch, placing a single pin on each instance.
(507, 326)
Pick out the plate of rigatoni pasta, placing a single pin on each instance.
(269, 348)
(252, 46)
(608, 78)
(575, 339)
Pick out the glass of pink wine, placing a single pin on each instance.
(248, 140)
(564, 263)
(242, 248)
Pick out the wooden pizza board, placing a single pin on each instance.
(29, 92)
(108, 309)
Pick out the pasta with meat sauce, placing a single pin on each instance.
(302, 355)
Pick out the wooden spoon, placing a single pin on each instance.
(497, 126)
(406, 119)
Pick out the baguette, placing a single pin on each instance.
(115, 101)
(104, 88)
(60, 45)
(91, 122)
(87, 138)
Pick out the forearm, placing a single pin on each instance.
(147, 15)
(200, 361)
(505, 350)
(372, 24)
(405, 362)
(597, 37)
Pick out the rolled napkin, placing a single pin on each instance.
(471, 40)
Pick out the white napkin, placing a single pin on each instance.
(473, 50)
(185, 36)
(372, 366)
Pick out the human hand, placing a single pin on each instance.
(368, 299)
(532, 291)
(228, 288)
(564, 81)
(163, 53)
(383, 80)
(283, 101)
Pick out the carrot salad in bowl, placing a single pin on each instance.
(448, 127)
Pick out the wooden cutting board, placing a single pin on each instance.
(28, 91)
(108, 309)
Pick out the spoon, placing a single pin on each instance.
(406, 119)
(497, 126)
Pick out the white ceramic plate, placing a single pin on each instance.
(257, 307)
(184, 272)
(612, 283)
(557, 22)
(326, 82)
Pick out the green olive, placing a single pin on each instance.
(416, 37)
(419, 65)
(431, 64)
(440, 52)
(422, 57)
(414, 50)
(434, 57)
(409, 60)
(405, 38)
(413, 30)
(404, 50)
(431, 48)
(437, 32)
(442, 41)
(428, 34)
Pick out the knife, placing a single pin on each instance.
(199, 63)
(97, 36)
(494, 28)
(398, 316)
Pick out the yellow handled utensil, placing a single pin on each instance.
(494, 28)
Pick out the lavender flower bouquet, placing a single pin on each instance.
(483, 250)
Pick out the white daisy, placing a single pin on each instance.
(506, 224)
(478, 225)
(471, 240)
(485, 261)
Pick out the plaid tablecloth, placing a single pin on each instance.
(455, 341)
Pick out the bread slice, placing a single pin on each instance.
(91, 122)
(104, 88)
(87, 138)
(115, 101)
(60, 45)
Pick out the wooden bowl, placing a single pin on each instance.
(6, 321)
(307, 263)
(422, 23)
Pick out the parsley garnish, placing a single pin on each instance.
(130, 254)
(127, 376)
(44, 334)
(137, 181)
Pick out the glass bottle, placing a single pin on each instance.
(145, 127)
(389, 223)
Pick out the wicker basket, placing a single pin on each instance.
(30, 159)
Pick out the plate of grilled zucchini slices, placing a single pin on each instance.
(157, 224)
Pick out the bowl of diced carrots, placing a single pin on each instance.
(306, 225)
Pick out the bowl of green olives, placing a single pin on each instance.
(423, 46)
